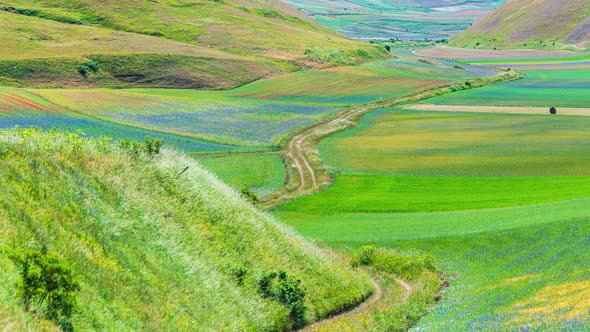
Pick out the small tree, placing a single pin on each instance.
(153, 145)
(47, 285)
(286, 290)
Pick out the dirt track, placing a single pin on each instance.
(305, 171)
(498, 109)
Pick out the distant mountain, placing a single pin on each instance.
(404, 19)
(539, 24)
(180, 43)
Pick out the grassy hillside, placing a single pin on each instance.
(153, 247)
(188, 43)
(546, 24)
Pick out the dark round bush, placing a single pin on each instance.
(553, 110)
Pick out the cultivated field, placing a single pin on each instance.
(500, 199)
(260, 173)
(25, 109)
(401, 19)
(361, 84)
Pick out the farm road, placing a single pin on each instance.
(305, 172)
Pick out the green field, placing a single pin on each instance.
(501, 201)
(360, 84)
(208, 115)
(417, 143)
(261, 174)
(173, 44)
(392, 194)
(557, 87)
(255, 116)
(524, 274)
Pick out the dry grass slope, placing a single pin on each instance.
(544, 24)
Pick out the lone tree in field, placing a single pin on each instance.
(553, 110)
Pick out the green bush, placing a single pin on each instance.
(363, 256)
(47, 285)
(150, 147)
(249, 195)
(239, 272)
(153, 145)
(287, 291)
(89, 67)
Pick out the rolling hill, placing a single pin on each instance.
(544, 24)
(183, 43)
(155, 241)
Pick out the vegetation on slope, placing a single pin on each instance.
(189, 43)
(545, 24)
(156, 242)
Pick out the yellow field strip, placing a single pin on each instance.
(497, 109)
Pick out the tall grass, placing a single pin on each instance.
(156, 247)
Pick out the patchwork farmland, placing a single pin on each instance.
(504, 216)
(238, 165)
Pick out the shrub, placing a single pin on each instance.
(249, 195)
(47, 285)
(153, 145)
(150, 147)
(89, 67)
(286, 290)
(553, 110)
(364, 256)
(239, 272)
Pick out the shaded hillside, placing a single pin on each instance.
(223, 43)
(544, 24)
(156, 242)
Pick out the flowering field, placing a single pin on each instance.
(25, 109)
(199, 114)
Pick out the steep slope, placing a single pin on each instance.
(157, 242)
(539, 24)
(222, 43)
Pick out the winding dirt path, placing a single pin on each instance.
(305, 172)
(367, 304)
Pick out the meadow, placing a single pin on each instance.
(553, 87)
(24, 109)
(500, 200)
(260, 173)
(209, 115)
(152, 246)
(255, 116)
(397, 194)
(528, 273)
(418, 143)
(360, 84)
